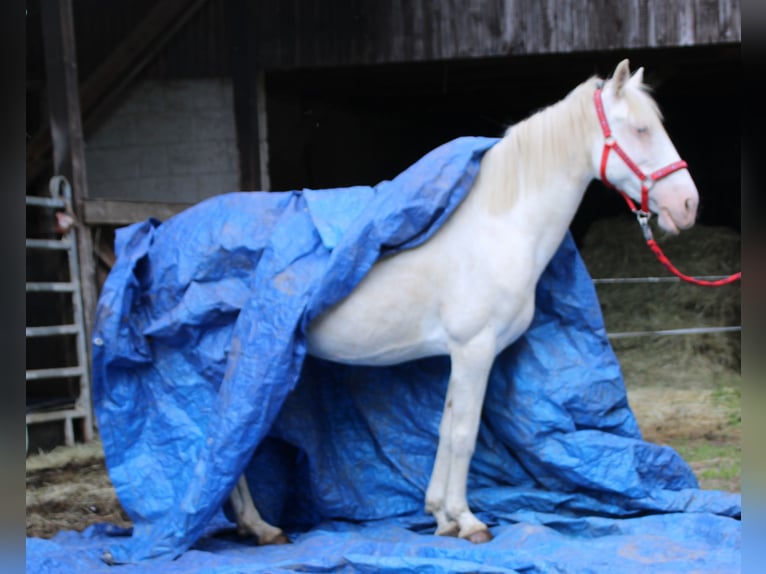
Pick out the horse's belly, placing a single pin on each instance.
(392, 316)
(353, 352)
(372, 339)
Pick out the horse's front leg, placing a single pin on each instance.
(249, 522)
(446, 495)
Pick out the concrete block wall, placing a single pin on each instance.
(172, 141)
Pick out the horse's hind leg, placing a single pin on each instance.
(446, 495)
(249, 522)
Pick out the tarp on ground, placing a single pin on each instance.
(200, 373)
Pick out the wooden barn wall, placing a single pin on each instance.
(202, 48)
(293, 34)
(306, 33)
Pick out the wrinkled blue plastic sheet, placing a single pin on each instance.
(200, 373)
(535, 543)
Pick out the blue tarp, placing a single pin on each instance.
(200, 373)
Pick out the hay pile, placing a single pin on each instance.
(615, 248)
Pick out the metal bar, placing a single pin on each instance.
(45, 201)
(44, 417)
(51, 244)
(53, 330)
(68, 432)
(38, 374)
(50, 287)
(617, 280)
(690, 331)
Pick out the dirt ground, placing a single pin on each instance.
(704, 427)
(69, 489)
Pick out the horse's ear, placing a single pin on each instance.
(637, 79)
(620, 77)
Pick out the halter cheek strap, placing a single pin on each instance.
(643, 214)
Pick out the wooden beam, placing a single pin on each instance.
(63, 93)
(249, 97)
(66, 135)
(102, 90)
(112, 212)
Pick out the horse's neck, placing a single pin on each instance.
(536, 176)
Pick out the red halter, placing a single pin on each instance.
(647, 181)
(611, 144)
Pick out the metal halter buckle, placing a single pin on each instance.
(643, 220)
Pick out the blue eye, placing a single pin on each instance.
(643, 130)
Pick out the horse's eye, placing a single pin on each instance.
(643, 130)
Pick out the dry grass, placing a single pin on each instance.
(703, 425)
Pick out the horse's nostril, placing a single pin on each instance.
(691, 205)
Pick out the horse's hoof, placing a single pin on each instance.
(108, 558)
(279, 539)
(451, 530)
(480, 537)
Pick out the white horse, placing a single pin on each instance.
(468, 292)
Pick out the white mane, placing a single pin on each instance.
(522, 160)
(519, 162)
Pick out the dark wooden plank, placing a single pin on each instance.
(311, 33)
(245, 79)
(63, 101)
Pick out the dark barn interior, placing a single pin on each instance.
(349, 126)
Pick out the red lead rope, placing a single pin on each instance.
(666, 262)
(643, 214)
(662, 258)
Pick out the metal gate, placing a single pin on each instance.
(75, 403)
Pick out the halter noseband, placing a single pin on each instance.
(610, 143)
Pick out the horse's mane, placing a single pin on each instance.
(522, 159)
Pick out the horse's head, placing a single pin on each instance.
(645, 165)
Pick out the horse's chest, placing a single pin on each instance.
(512, 320)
